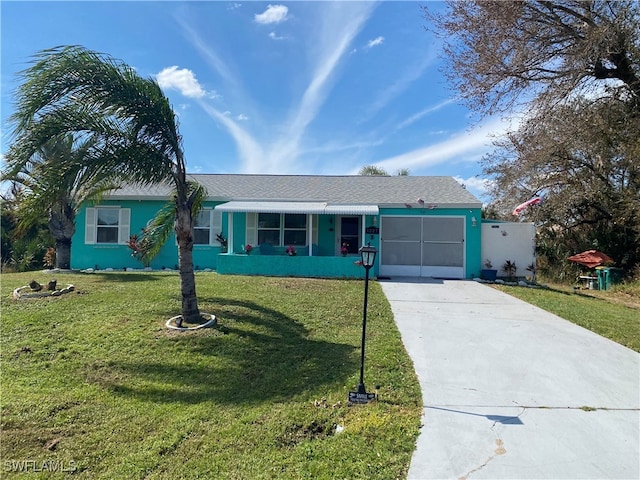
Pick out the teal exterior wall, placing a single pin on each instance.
(323, 263)
(473, 244)
(101, 256)
(286, 266)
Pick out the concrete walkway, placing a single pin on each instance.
(513, 392)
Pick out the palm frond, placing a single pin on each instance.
(72, 89)
(197, 194)
(157, 232)
(56, 179)
(159, 228)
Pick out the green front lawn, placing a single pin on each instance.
(92, 381)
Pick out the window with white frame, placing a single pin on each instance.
(206, 226)
(107, 225)
(280, 229)
(202, 228)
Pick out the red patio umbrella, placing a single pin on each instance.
(591, 258)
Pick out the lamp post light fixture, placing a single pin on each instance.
(368, 258)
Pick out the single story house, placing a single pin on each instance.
(425, 226)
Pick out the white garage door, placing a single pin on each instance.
(422, 247)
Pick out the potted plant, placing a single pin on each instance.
(224, 245)
(139, 248)
(532, 268)
(344, 249)
(291, 250)
(510, 269)
(488, 273)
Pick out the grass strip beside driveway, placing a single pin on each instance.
(602, 312)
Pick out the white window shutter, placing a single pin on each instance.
(124, 225)
(90, 226)
(252, 229)
(216, 226)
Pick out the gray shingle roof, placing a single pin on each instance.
(351, 189)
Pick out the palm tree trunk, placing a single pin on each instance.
(62, 227)
(184, 233)
(63, 253)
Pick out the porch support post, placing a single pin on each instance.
(310, 233)
(364, 230)
(230, 240)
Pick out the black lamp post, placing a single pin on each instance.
(368, 258)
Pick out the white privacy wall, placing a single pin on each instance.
(513, 241)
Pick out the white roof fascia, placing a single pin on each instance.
(272, 207)
(318, 208)
(352, 210)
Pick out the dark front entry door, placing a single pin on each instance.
(350, 233)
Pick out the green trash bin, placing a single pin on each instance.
(604, 277)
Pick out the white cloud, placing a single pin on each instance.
(249, 151)
(467, 146)
(234, 6)
(341, 22)
(376, 41)
(183, 80)
(273, 14)
(403, 81)
(476, 185)
(274, 36)
(422, 113)
(208, 53)
(278, 149)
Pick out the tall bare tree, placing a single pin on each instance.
(71, 89)
(571, 68)
(500, 54)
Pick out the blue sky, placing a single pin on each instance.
(275, 87)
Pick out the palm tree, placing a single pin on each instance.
(72, 89)
(55, 182)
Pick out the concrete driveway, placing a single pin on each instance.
(513, 392)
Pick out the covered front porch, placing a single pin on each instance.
(315, 230)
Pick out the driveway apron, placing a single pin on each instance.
(513, 392)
